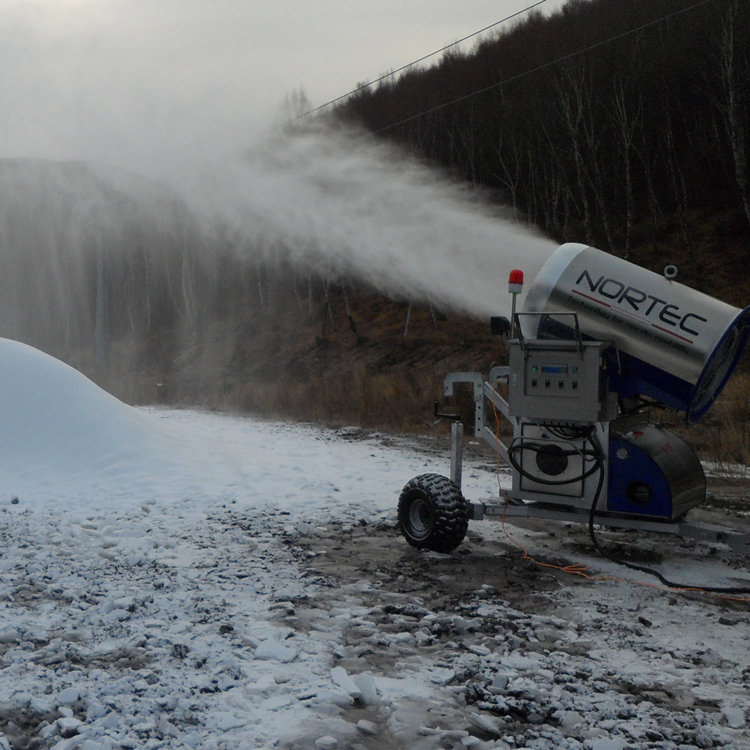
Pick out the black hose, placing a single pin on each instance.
(633, 566)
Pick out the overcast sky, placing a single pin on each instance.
(129, 79)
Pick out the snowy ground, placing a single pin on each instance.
(174, 579)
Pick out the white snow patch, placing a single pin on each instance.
(144, 577)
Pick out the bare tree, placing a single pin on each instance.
(570, 103)
(734, 71)
(626, 115)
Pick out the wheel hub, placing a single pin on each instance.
(420, 517)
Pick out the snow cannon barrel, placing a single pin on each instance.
(675, 345)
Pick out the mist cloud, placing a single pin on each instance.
(159, 89)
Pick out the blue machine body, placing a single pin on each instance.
(652, 472)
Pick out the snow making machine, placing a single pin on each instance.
(597, 343)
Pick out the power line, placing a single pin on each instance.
(422, 59)
(543, 66)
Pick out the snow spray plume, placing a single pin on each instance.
(146, 192)
(363, 209)
(84, 246)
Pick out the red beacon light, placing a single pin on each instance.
(515, 281)
(515, 287)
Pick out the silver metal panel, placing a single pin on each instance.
(532, 466)
(559, 381)
(578, 493)
(658, 320)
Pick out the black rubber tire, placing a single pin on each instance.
(432, 513)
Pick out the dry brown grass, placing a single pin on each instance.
(722, 438)
(380, 400)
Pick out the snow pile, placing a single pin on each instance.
(58, 430)
(142, 569)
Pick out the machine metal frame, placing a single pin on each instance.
(515, 504)
(597, 337)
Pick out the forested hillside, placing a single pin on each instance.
(621, 123)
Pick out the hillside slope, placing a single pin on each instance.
(346, 354)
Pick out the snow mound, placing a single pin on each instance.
(57, 427)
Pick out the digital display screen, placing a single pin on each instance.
(555, 369)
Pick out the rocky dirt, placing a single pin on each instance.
(527, 655)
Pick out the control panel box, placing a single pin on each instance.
(560, 381)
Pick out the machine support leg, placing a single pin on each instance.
(457, 452)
